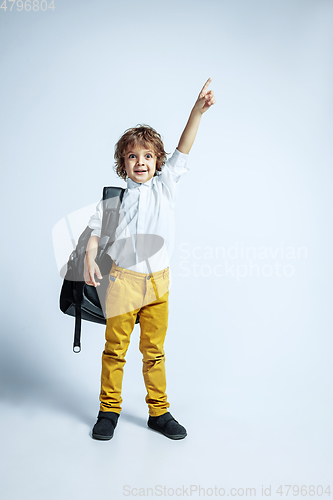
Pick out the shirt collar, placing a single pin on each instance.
(132, 184)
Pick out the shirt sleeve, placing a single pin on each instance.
(172, 171)
(95, 221)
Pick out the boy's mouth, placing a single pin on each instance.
(140, 171)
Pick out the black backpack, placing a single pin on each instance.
(77, 298)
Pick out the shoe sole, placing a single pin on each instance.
(170, 436)
(101, 438)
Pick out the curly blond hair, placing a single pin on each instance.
(140, 135)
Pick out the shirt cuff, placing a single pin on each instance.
(96, 232)
(178, 162)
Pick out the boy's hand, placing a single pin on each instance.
(90, 269)
(205, 99)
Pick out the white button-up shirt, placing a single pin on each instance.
(147, 209)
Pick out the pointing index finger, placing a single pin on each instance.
(202, 93)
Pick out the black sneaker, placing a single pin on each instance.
(105, 425)
(167, 425)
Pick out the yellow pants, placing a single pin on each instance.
(130, 293)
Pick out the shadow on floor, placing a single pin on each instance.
(28, 379)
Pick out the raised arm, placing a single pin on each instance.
(205, 100)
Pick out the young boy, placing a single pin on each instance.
(139, 277)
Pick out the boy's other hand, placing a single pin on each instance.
(90, 269)
(205, 99)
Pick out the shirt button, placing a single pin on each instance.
(149, 277)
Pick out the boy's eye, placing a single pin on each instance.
(148, 155)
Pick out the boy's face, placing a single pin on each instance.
(140, 163)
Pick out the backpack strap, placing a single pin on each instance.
(77, 330)
(108, 192)
(112, 192)
(112, 198)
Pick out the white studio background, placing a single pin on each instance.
(249, 343)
